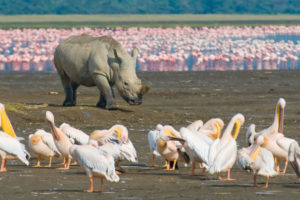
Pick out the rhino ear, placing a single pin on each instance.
(135, 52)
(117, 55)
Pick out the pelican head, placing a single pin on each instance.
(158, 127)
(239, 120)
(49, 117)
(280, 113)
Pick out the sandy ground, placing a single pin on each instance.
(176, 99)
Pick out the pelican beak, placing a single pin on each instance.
(280, 116)
(218, 131)
(254, 152)
(6, 125)
(176, 139)
(237, 129)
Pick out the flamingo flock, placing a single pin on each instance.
(165, 49)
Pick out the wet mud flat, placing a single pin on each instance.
(175, 98)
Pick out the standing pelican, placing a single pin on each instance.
(167, 148)
(42, 143)
(294, 157)
(222, 153)
(5, 122)
(116, 142)
(77, 135)
(257, 159)
(95, 162)
(62, 142)
(152, 137)
(275, 142)
(11, 149)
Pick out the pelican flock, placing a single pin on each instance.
(100, 153)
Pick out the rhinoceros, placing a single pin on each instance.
(102, 62)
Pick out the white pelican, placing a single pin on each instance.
(294, 157)
(257, 159)
(222, 153)
(42, 143)
(95, 162)
(62, 142)
(5, 122)
(196, 146)
(195, 126)
(77, 135)
(116, 142)
(152, 137)
(211, 128)
(275, 141)
(11, 149)
(169, 149)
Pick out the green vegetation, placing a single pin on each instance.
(100, 21)
(9, 7)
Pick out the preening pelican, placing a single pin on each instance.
(211, 128)
(42, 143)
(62, 142)
(275, 141)
(116, 142)
(95, 162)
(222, 153)
(257, 159)
(11, 149)
(77, 135)
(195, 126)
(294, 157)
(152, 137)
(5, 122)
(169, 149)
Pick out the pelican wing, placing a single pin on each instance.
(13, 146)
(96, 160)
(294, 157)
(128, 151)
(198, 144)
(267, 165)
(47, 138)
(79, 136)
(152, 137)
(243, 159)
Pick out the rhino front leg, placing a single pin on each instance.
(106, 96)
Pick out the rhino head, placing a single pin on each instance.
(129, 85)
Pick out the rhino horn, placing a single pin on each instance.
(144, 89)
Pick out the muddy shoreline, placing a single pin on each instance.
(175, 98)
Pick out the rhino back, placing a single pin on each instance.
(72, 57)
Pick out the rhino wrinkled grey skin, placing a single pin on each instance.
(102, 62)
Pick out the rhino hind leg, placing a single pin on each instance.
(69, 100)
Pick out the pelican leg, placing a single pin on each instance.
(168, 165)
(219, 177)
(64, 161)
(276, 165)
(174, 164)
(193, 168)
(67, 164)
(153, 164)
(228, 176)
(285, 167)
(3, 165)
(38, 164)
(254, 179)
(267, 182)
(91, 185)
(50, 162)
